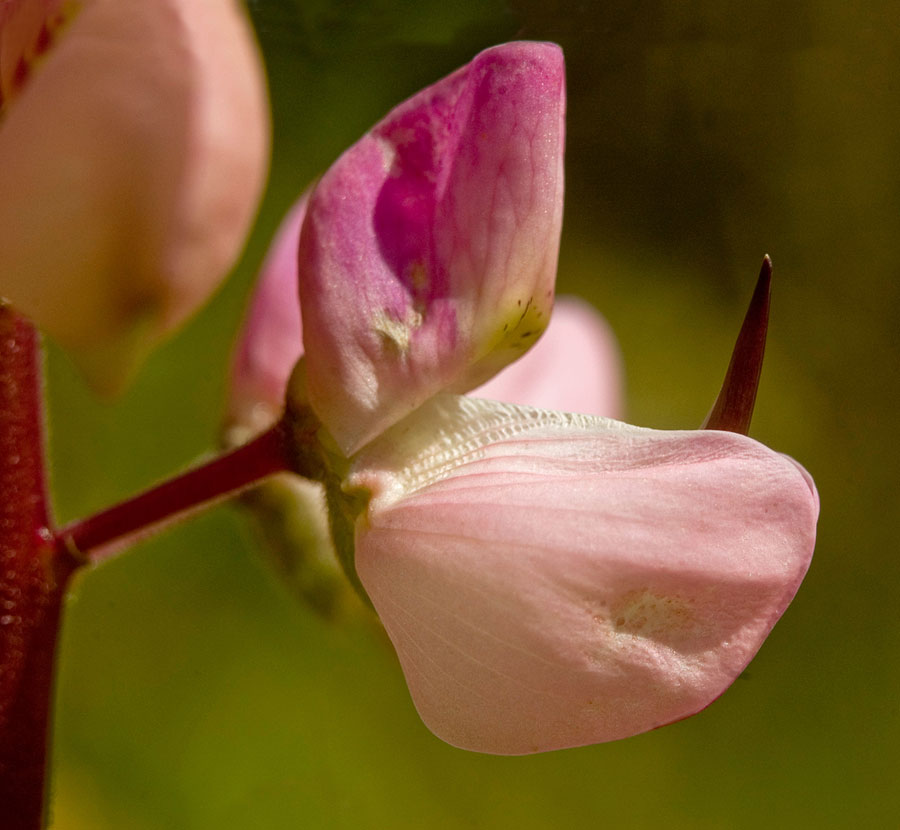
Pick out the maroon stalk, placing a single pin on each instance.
(733, 408)
(272, 452)
(33, 577)
(36, 562)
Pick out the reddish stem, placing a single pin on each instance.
(36, 562)
(32, 581)
(95, 536)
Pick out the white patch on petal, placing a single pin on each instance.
(645, 613)
(388, 152)
(396, 334)
(447, 432)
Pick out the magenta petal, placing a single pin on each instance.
(428, 257)
(576, 366)
(552, 580)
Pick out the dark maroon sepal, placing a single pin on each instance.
(733, 408)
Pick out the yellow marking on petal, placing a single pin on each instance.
(525, 322)
(517, 330)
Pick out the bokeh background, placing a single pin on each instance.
(195, 692)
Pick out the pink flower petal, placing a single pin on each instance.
(271, 336)
(428, 256)
(131, 161)
(555, 580)
(575, 366)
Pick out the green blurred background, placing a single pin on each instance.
(196, 693)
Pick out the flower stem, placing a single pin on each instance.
(32, 581)
(37, 561)
(96, 537)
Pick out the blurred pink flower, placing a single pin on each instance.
(133, 149)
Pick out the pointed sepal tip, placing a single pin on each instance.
(733, 408)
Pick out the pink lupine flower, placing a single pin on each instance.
(428, 254)
(547, 579)
(133, 148)
(553, 580)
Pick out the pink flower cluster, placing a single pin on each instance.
(547, 579)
